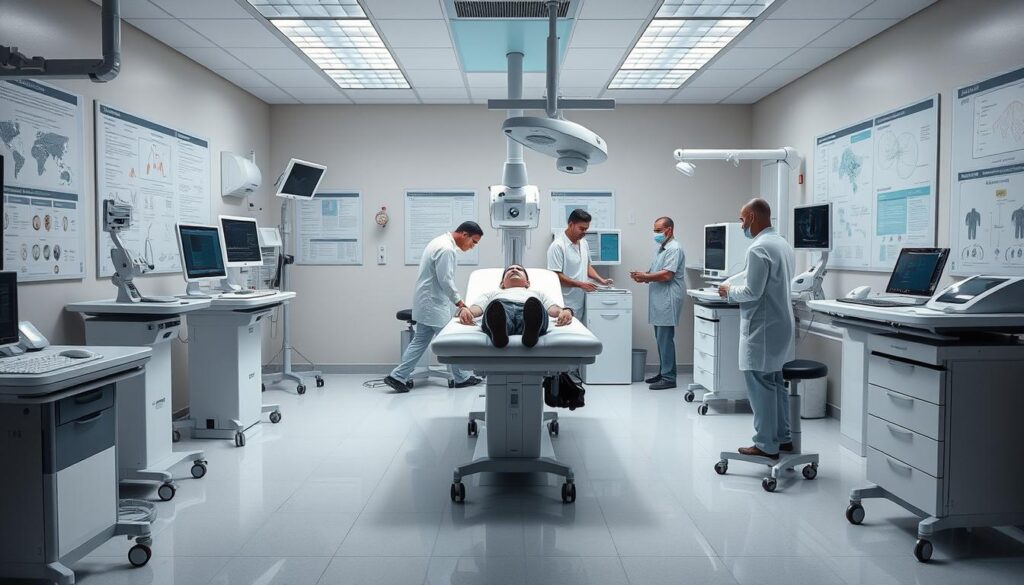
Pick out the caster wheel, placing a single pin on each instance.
(688, 396)
(139, 555)
(702, 409)
(166, 492)
(810, 471)
(301, 389)
(553, 428)
(320, 382)
(458, 492)
(175, 436)
(923, 550)
(451, 383)
(410, 384)
(568, 492)
(769, 484)
(239, 439)
(275, 417)
(472, 429)
(855, 513)
(199, 469)
(263, 387)
(721, 467)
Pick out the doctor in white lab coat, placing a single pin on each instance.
(435, 299)
(766, 328)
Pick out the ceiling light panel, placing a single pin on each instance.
(338, 38)
(683, 37)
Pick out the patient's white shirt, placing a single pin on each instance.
(516, 295)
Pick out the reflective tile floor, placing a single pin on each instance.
(352, 488)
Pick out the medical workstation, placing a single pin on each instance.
(684, 291)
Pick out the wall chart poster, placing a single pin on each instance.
(429, 214)
(881, 176)
(42, 142)
(600, 205)
(986, 218)
(163, 173)
(329, 229)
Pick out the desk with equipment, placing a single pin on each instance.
(58, 500)
(225, 341)
(942, 390)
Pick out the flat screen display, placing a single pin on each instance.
(714, 247)
(302, 180)
(241, 240)
(917, 271)
(812, 227)
(8, 308)
(609, 248)
(200, 252)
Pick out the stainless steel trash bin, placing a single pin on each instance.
(639, 365)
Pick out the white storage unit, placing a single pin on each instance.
(609, 315)
(716, 342)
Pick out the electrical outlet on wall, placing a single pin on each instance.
(632, 217)
(382, 254)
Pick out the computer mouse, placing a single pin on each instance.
(77, 353)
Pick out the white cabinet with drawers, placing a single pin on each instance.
(716, 341)
(609, 316)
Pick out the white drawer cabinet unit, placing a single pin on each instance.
(609, 315)
(716, 342)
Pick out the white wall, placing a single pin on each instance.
(949, 44)
(346, 315)
(157, 82)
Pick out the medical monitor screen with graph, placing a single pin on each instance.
(240, 240)
(301, 179)
(917, 271)
(812, 227)
(714, 247)
(8, 308)
(201, 256)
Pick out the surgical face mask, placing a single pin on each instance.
(746, 232)
(659, 238)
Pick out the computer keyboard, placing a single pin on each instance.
(886, 302)
(42, 363)
(250, 294)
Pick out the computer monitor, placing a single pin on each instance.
(201, 256)
(605, 247)
(301, 179)
(240, 240)
(8, 308)
(812, 227)
(917, 271)
(725, 249)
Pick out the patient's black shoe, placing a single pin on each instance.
(533, 316)
(496, 324)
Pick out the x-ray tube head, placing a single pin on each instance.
(515, 208)
(575, 146)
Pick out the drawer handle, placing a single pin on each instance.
(705, 334)
(899, 363)
(609, 303)
(89, 419)
(898, 431)
(894, 396)
(610, 316)
(899, 466)
(89, 397)
(159, 402)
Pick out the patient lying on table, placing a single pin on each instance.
(514, 309)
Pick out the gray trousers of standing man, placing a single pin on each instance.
(769, 399)
(665, 336)
(414, 351)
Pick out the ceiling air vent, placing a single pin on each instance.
(506, 9)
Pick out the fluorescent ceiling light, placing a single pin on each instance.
(682, 38)
(338, 38)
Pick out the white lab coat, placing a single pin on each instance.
(435, 295)
(766, 310)
(574, 262)
(665, 299)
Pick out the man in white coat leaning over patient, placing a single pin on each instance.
(766, 328)
(434, 300)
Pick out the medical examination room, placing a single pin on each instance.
(511, 292)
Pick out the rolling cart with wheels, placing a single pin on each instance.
(716, 375)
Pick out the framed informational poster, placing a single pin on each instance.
(600, 205)
(329, 229)
(429, 214)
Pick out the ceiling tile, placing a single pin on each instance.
(584, 77)
(784, 33)
(809, 58)
(618, 9)
(603, 59)
(488, 93)
(171, 32)
(233, 32)
(581, 92)
(893, 8)
(420, 58)
(415, 33)
(851, 33)
(304, 93)
(327, 101)
(397, 9)
(272, 95)
(212, 57)
(705, 94)
(244, 77)
(258, 58)
(818, 9)
(737, 58)
(501, 80)
(304, 77)
(747, 95)
(723, 77)
(446, 101)
(138, 9)
(598, 34)
(203, 8)
(442, 92)
(778, 77)
(435, 77)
